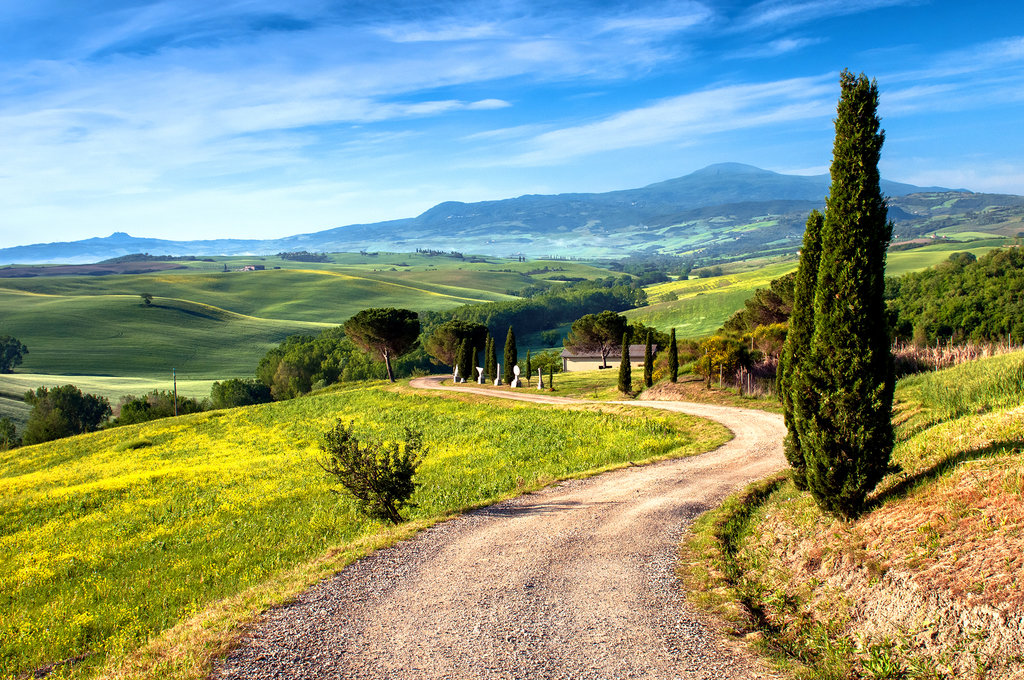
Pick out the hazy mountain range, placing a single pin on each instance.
(722, 210)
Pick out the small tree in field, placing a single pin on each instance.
(378, 475)
(625, 370)
(673, 358)
(147, 299)
(11, 353)
(648, 362)
(384, 332)
(511, 356)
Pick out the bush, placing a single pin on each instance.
(62, 412)
(235, 392)
(378, 475)
(155, 405)
(8, 435)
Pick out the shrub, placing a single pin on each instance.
(235, 392)
(378, 475)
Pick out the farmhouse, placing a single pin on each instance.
(588, 361)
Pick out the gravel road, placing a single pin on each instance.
(573, 581)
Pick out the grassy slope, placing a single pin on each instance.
(950, 523)
(109, 538)
(703, 305)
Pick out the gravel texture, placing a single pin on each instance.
(574, 581)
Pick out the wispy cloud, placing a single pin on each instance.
(775, 48)
(789, 13)
(686, 118)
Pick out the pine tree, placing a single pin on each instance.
(492, 360)
(648, 362)
(511, 356)
(847, 377)
(625, 370)
(673, 358)
(789, 384)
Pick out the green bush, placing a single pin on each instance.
(378, 475)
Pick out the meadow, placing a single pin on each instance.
(947, 523)
(111, 539)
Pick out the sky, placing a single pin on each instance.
(191, 119)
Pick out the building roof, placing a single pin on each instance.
(635, 352)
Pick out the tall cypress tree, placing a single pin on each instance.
(529, 367)
(511, 356)
(462, 359)
(789, 383)
(492, 360)
(673, 358)
(846, 437)
(625, 370)
(648, 362)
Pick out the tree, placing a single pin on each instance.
(155, 405)
(847, 436)
(529, 367)
(511, 356)
(444, 340)
(8, 435)
(11, 353)
(465, 361)
(625, 370)
(147, 299)
(597, 333)
(62, 412)
(384, 331)
(235, 392)
(491, 360)
(378, 475)
(789, 379)
(673, 357)
(648, 362)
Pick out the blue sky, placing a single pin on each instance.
(249, 118)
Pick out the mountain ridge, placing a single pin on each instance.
(713, 211)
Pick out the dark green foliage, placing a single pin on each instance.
(673, 358)
(599, 333)
(648, 361)
(529, 366)
(638, 333)
(550, 309)
(378, 474)
(11, 353)
(8, 435)
(847, 436)
(155, 405)
(511, 356)
(303, 362)
(766, 306)
(465, 361)
(444, 340)
(147, 299)
(237, 392)
(385, 332)
(551, 379)
(625, 370)
(963, 299)
(61, 412)
(789, 380)
(491, 360)
(304, 256)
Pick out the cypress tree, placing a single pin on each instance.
(673, 358)
(847, 377)
(625, 370)
(798, 342)
(648, 362)
(529, 367)
(473, 356)
(489, 358)
(511, 356)
(462, 359)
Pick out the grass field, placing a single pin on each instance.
(948, 524)
(112, 537)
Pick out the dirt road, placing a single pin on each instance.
(575, 581)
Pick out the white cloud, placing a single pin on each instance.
(686, 118)
(787, 13)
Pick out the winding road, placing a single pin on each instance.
(574, 581)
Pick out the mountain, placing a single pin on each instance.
(721, 210)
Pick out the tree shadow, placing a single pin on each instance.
(947, 464)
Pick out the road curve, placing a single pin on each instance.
(574, 581)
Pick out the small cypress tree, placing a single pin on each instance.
(648, 362)
(488, 357)
(673, 357)
(474, 355)
(462, 359)
(529, 367)
(789, 382)
(847, 436)
(511, 356)
(625, 370)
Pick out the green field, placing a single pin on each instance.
(112, 537)
(703, 305)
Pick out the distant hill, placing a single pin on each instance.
(724, 210)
